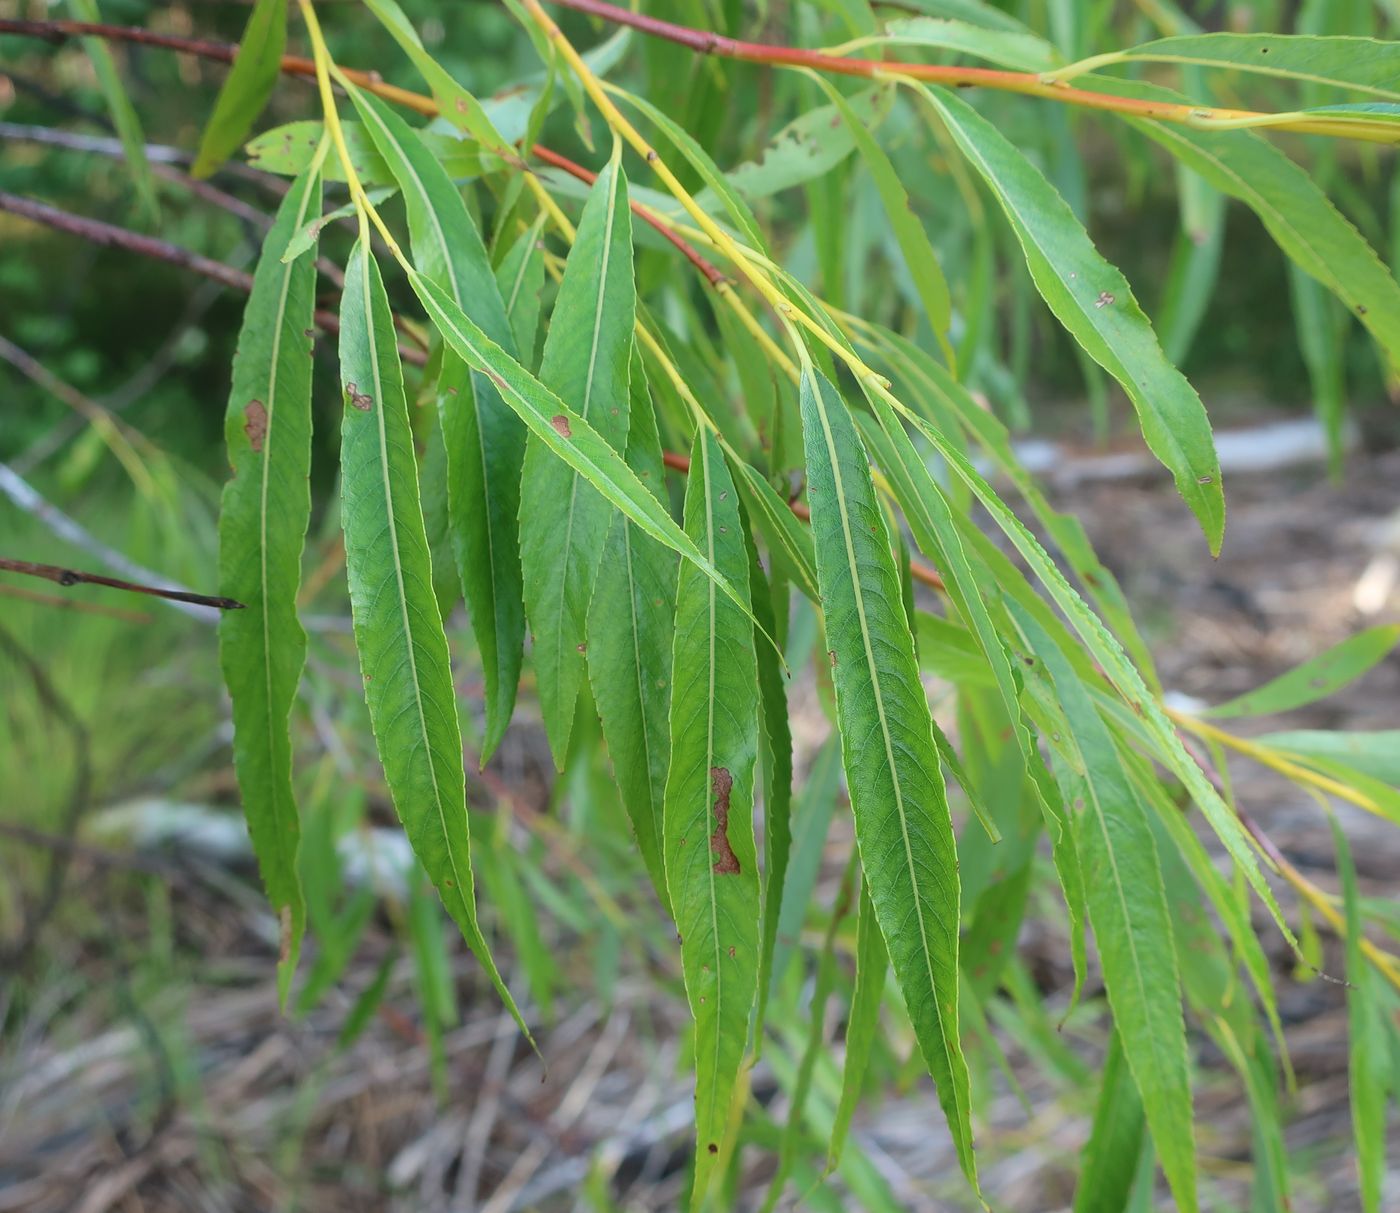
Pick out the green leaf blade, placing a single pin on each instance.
(564, 520)
(265, 511)
(707, 827)
(630, 629)
(1315, 679)
(484, 440)
(398, 631)
(256, 69)
(903, 823)
(1093, 301)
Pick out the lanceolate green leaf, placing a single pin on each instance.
(1093, 301)
(708, 840)
(564, 520)
(458, 106)
(262, 527)
(1362, 64)
(398, 631)
(1367, 1044)
(484, 439)
(1110, 1157)
(1304, 222)
(566, 434)
(1316, 679)
(248, 86)
(903, 825)
(124, 116)
(1110, 656)
(630, 627)
(1132, 924)
(777, 770)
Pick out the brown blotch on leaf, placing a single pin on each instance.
(358, 399)
(255, 424)
(831, 654)
(284, 951)
(722, 784)
(561, 425)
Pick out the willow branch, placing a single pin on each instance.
(1027, 84)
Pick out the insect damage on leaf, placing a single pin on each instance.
(255, 424)
(726, 862)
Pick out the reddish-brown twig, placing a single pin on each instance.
(66, 577)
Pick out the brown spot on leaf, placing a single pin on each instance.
(583, 648)
(284, 951)
(358, 399)
(831, 655)
(255, 423)
(722, 784)
(712, 1148)
(561, 425)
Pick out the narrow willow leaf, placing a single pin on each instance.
(520, 278)
(1093, 301)
(1106, 650)
(249, 84)
(566, 434)
(1109, 1160)
(862, 1023)
(707, 828)
(1132, 924)
(564, 521)
(903, 825)
(630, 627)
(1366, 1041)
(123, 113)
(262, 529)
(1324, 675)
(777, 772)
(484, 439)
(908, 229)
(1303, 221)
(1362, 64)
(287, 150)
(933, 522)
(1375, 754)
(1019, 50)
(457, 105)
(398, 631)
